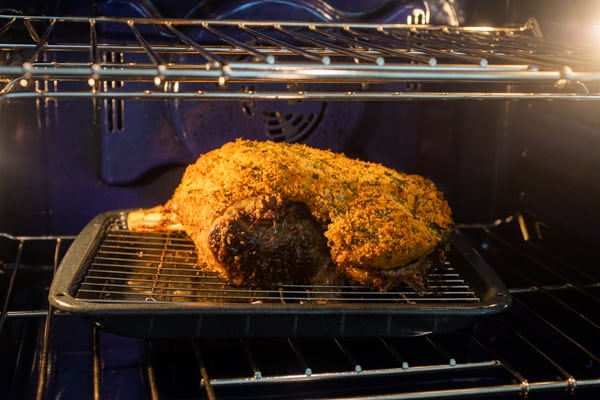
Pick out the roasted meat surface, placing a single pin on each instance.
(267, 242)
(267, 213)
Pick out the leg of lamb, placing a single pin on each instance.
(265, 213)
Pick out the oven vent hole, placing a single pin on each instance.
(418, 17)
(115, 115)
(114, 108)
(292, 127)
(292, 123)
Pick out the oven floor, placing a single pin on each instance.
(544, 346)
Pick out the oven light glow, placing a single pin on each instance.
(595, 34)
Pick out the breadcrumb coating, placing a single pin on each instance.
(372, 216)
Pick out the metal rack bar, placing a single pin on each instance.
(300, 357)
(294, 49)
(415, 43)
(501, 360)
(533, 47)
(205, 379)
(320, 42)
(40, 41)
(377, 42)
(328, 52)
(11, 284)
(441, 351)
(237, 44)
(339, 73)
(156, 60)
(394, 352)
(6, 26)
(256, 372)
(348, 355)
(94, 54)
(152, 55)
(42, 368)
(20, 362)
(31, 314)
(259, 23)
(477, 392)
(150, 373)
(202, 95)
(212, 58)
(96, 364)
(473, 44)
(363, 373)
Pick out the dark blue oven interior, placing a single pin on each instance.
(62, 162)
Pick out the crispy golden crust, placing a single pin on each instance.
(372, 215)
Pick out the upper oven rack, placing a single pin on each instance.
(150, 58)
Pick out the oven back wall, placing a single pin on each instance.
(50, 169)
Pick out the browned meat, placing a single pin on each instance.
(266, 242)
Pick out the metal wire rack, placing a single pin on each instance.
(162, 267)
(145, 58)
(545, 344)
(151, 285)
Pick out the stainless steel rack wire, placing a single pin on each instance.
(145, 58)
(545, 344)
(137, 267)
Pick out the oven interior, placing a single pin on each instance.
(104, 103)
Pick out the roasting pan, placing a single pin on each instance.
(150, 285)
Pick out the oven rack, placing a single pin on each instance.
(151, 285)
(161, 58)
(137, 268)
(545, 344)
